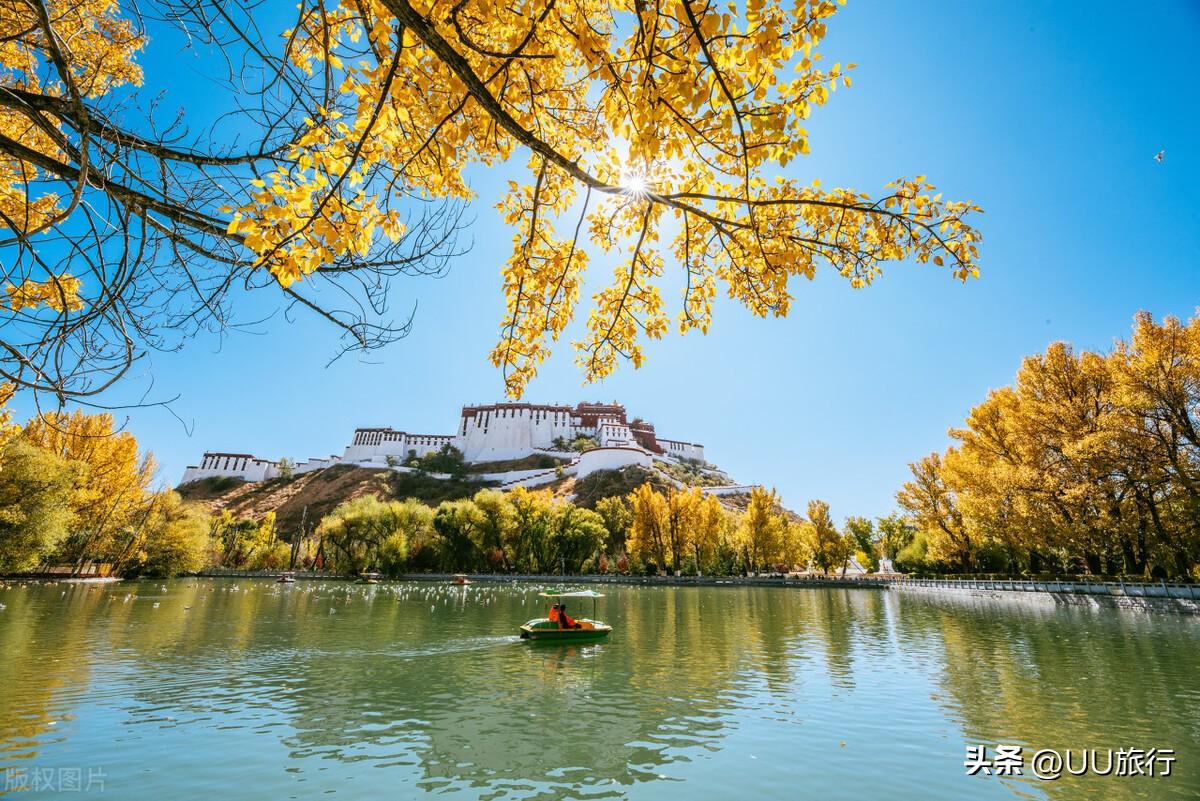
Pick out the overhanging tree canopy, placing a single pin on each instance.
(638, 122)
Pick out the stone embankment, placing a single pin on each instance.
(1161, 596)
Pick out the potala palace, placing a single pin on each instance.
(497, 432)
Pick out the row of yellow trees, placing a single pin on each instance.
(521, 531)
(689, 531)
(1088, 462)
(75, 492)
(532, 531)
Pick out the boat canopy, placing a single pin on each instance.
(575, 594)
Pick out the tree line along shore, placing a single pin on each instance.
(1089, 464)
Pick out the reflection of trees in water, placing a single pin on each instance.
(1059, 678)
(435, 678)
(681, 669)
(46, 641)
(506, 713)
(845, 621)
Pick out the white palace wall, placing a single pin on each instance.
(488, 433)
(682, 450)
(511, 432)
(374, 445)
(610, 459)
(309, 465)
(233, 465)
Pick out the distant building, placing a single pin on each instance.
(886, 567)
(234, 465)
(494, 432)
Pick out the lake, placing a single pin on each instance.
(245, 689)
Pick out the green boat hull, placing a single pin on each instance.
(545, 631)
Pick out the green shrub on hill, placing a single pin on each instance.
(209, 487)
(434, 490)
(534, 461)
(691, 472)
(592, 488)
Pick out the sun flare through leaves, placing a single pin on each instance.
(659, 137)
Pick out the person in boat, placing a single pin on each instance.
(553, 616)
(564, 620)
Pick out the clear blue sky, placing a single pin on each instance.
(1047, 115)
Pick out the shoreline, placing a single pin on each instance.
(1161, 596)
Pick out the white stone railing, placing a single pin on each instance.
(731, 489)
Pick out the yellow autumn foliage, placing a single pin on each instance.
(636, 120)
(1087, 462)
(98, 46)
(659, 135)
(112, 491)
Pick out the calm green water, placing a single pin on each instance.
(223, 689)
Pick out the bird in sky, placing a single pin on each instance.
(1160, 155)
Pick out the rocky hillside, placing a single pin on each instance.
(319, 492)
(311, 496)
(740, 501)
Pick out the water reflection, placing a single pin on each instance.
(1063, 677)
(199, 686)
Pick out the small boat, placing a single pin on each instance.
(461, 578)
(286, 578)
(543, 629)
(368, 578)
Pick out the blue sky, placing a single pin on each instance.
(1047, 115)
